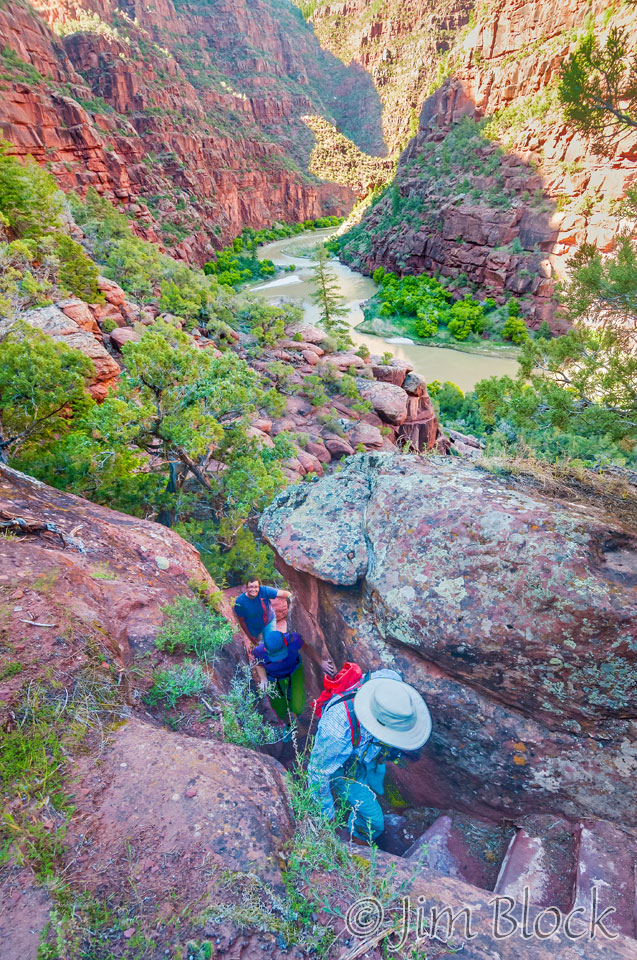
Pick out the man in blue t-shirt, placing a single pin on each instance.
(254, 610)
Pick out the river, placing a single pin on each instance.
(434, 363)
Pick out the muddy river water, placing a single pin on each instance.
(434, 363)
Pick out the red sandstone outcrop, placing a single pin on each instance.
(122, 107)
(98, 576)
(509, 229)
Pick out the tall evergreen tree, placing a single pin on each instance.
(328, 299)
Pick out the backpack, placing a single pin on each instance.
(347, 682)
(347, 676)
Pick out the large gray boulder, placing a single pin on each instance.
(515, 614)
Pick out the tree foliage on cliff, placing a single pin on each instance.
(172, 443)
(42, 386)
(30, 201)
(38, 259)
(598, 89)
(576, 395)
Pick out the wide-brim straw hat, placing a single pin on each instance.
(393, 712)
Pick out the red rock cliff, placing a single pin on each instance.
(504, 203)
(191, 120)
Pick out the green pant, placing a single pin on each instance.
(358, 788)
(290, 695)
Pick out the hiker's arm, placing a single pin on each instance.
(284, 594)
(328, 755)
(256, 669)
(325, 663)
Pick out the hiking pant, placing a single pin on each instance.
(290, 695)
(359, 791)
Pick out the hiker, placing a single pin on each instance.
(380, 720)
(279, 662)
(254, 610)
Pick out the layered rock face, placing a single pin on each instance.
(190, 117)
(399, 43)
(508, 211)
(513, 614)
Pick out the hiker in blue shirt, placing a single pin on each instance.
(380, 720)
(254, 611)
(279, 663)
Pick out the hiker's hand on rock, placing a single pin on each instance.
(328, 666)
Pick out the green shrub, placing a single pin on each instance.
(108, 325)
(314, 390)
(513, 307)
(172, 684)
(189, 626)
(30, 201)
(515, 329)
(467, 316)
(77, 273)
(242, 722)
(543, 331)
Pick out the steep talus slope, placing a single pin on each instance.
(502, 203)
(514, 615)
(188, 114)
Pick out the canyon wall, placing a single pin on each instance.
(495, 190)
(187, 115)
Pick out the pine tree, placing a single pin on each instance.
(598, 89)
(329, 301)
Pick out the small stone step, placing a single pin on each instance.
(542, 858)
(460, 847)
(607, 859)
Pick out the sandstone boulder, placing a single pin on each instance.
(181, 798)
(309, 333)
(389, 400)
(80, 312)
(343, 361)
(393, 372)
(113, 293)
(514, 614)
(415, 384)
(309, 462)
(122, 335)
(365, 433)
(338, 446)
(318, 450)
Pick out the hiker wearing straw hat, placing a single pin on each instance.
(381, 719)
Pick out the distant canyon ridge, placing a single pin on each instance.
(202, 118)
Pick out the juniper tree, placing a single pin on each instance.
(598, 89)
